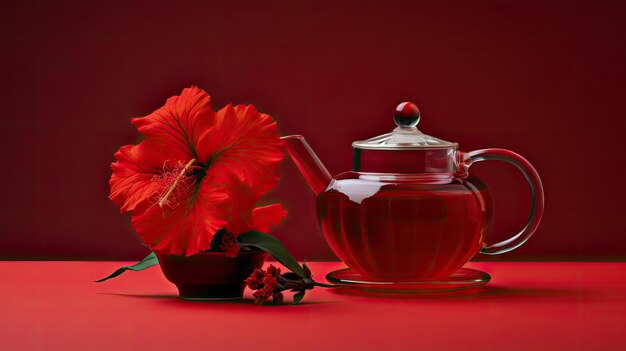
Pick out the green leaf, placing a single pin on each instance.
(273, 247)
(298, 297)
(148, 261)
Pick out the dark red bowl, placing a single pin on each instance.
(210, 275)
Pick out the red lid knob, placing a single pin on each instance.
(407, 115)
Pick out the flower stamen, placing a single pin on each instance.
(178, 178)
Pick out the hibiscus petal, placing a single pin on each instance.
(179, 123)
(244, 143)
(133, 174)
(266, 216)
(241, 219)
(189, 226)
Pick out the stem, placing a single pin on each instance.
(323, 285)
(175, 183)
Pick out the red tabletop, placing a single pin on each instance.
(526, 306)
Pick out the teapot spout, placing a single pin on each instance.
(308, 163)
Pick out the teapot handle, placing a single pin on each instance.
(536, 187)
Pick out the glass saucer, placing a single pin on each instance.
(464, 278)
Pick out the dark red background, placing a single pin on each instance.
(543, 78)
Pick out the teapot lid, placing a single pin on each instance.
(405, 136)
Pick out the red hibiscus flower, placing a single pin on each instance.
(198, 171)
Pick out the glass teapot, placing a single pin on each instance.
(409, 210)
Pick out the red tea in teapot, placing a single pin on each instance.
(395, 231)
